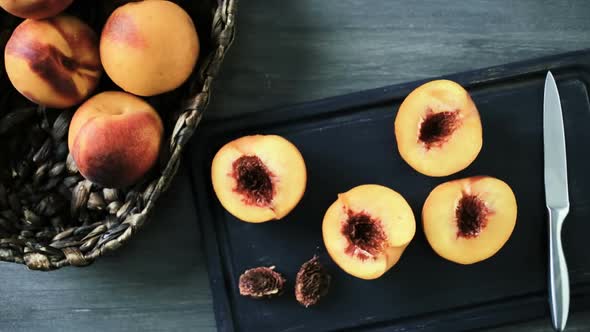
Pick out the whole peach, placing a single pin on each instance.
(115, 138)
(53, 62)
(149, 47)
(35, 9)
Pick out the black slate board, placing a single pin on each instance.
(349, 140)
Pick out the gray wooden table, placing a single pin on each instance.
(286, 52)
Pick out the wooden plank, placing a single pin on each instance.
(304, 50)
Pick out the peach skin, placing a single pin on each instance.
(35, 9)
(53, 62)
(149, 47)
(115, 138)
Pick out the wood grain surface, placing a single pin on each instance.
(287, 52)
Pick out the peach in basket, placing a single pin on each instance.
(68, 208)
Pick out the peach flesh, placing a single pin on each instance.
(469, 220)
(367, 229)
(271, 186)
(365, 235)
(438, 130)
(254, 181)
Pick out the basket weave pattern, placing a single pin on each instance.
(50, 216)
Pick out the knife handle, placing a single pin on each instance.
(559, 286)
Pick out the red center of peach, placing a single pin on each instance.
(471, 216)
(254, 181)
(365, 235)
(436, 128)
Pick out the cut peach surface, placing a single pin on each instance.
(469, 220)
(438, 129)
(259, 178)
(367, 229)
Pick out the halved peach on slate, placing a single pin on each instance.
(259, 178)
(469, 220)
(53, 62)
(438, 129)
(367, 229)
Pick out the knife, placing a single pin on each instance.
(557, 201)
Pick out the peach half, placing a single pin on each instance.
(259, 178)
(114, 138)
(149, 47)
(367, 229)
(438, 129)
(35, 9)
(469, 220)
(53, 62)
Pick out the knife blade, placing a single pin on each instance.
(557, 201)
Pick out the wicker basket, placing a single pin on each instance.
(50, 216)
